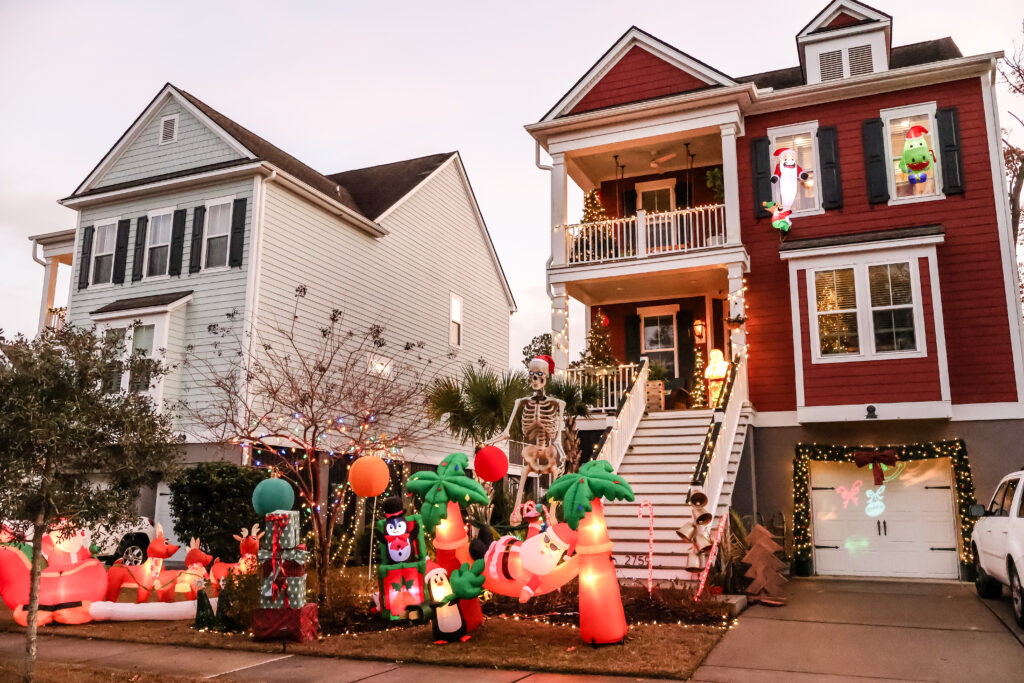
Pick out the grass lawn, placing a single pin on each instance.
(650, 650)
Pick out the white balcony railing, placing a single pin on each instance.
(613, 380)
(55, 317)
(646, 234)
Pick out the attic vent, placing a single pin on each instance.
(831, 65)
(168, 129)
(860, 60)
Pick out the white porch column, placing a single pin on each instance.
(737, 308)
(560, 328)
(641, 233)
(558, 209)
(49, 288)
(730, 178)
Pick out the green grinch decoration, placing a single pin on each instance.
(917, 157)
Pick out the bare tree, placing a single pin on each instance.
(307, 395)
(1012, 71)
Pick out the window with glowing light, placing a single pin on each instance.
(802, 138)
(836, 297)
(380, 365)
(659, 340)
(103, 252)
(917, 181)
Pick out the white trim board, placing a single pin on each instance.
(961, 412)
(917, 410)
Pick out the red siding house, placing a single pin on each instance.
(865, 298)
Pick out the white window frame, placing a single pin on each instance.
(92, 257)
(160, 131)
(149, 232)
(907, 111)
(653, 186)
(230, 201)
(453, 297)
(811, 128)
(865, 322)
(656, 312)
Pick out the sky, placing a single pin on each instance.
(345, 85)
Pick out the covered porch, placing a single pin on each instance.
(57, 250)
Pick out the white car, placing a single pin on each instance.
(126, 543)
(998, 543)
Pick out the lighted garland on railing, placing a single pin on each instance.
(955, 450)
(700, 472)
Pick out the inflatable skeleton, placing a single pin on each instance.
(541, 418)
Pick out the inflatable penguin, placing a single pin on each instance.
(449, 626)
(398, 532)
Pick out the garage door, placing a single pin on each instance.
(905, 527)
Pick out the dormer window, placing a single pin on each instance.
(168, 129)
(846, 39)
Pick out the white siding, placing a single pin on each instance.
(405, 279)
(144, 157)
(215, 294)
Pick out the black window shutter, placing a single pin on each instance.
(121, 251)
(83, 266)
(875, 161)
(684, 344)
(237, 233)
(948, 122)
(828, 174)
(632, 338)
(195, 254)
(628, 203)
(682, 194)
(138, 255)
(177, 242)
(761, 165)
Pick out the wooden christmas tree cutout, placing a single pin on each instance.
(768, 584)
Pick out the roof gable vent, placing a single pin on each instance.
(169, 129)
(831, 64)
(860, 60)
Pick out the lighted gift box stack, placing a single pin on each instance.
(284, 613)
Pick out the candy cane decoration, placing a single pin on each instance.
(711, 557)
(650, 543)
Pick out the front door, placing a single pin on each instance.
(904, 527)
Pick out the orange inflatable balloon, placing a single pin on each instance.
(369, 476)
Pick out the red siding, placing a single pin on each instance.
(842, 20)
(970, 266)
(879, 381)
(639, 75)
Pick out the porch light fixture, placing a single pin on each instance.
(699, 331)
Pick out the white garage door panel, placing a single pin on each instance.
(903, 528)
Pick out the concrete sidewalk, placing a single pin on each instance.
(240, 665)
(837, 630)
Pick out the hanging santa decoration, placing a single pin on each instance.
(787, 176)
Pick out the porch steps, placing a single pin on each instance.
(659, 465)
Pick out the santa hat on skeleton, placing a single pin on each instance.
(536, 364)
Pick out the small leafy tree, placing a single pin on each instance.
(313, 392)
(579, 399)
(212, 502)
(538, 346)
(60, 427)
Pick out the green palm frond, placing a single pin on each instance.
(596, 479)
(578, 398)
(476, 405)
(449, 483)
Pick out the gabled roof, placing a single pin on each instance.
(377, 188)
(840, 14)
(901, 56)
(674, 72)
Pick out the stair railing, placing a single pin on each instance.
(710, 472)
(615, 440)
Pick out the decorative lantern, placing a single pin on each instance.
(699, 332)
(369, 476)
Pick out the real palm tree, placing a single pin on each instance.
(579, 401)
(445, 492)
(602, 619)
(477, 405)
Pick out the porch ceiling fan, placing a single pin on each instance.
(662, 159)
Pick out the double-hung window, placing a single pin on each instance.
(158, 242)
(103, 252)
(658, 336)
(802, 139)
(132, 340)
(218, 228)
(455, 321)
(867, 310)
(911, 138)
(142, 345)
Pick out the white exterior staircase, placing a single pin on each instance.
(659, 465)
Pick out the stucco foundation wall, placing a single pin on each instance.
(994, 448)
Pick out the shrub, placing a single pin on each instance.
(239, 598)
(213, 501)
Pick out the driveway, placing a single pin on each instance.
(839, 630)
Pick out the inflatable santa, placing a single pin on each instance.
(787, 176)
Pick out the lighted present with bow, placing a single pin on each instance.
(402, 588)
(282, 530)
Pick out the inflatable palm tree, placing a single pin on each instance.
(602, 619)
(444, 493)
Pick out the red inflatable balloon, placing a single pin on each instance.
(369, 476)
(490, 463)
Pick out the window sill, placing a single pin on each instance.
(917, 200)
(216, 269)
(866, 357)
(100, 285)
(807, 212)
(156, 278)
